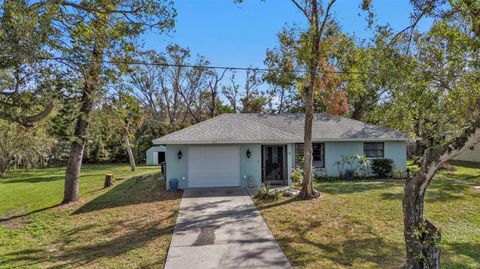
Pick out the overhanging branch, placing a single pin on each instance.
(27, 121)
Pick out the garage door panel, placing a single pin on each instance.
(214, 166)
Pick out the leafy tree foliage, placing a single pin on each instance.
(437, 98)
(313, 51)
(25, 84)
(25, 147)
(91, 33)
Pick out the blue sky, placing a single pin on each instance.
(238, 35)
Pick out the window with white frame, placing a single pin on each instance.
(318, 154)
(374, 149)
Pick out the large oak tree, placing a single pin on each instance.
(438, 100)
(93, 35)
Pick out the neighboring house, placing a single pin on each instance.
(251, 149)
(156, 155)
(470, 155)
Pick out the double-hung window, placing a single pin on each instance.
(374, 149)
(318, 154)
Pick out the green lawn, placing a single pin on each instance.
(358, 224)
(126, 226)
(354, 224)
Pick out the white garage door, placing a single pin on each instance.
(214, 166)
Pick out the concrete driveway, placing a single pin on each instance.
(221, 228)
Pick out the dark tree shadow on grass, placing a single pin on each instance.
(39, 177)
(465, 178)
(471, 250)
(81, 255)
(11, 216)
(34, 179)
(266, 204)
(367, 248)
(355, 186)
(151, 187)
(465, 164)
(98, 236)
(439, 191)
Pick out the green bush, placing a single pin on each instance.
(398, 173)
(297, 175)
(265, 192)
(382, 167)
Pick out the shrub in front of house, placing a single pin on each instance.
(382, 167)
(264, 192)
(297, 176)
(356, 166)
(398, 174)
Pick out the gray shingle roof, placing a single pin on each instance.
(271, 128)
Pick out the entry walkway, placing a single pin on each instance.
(221, 228)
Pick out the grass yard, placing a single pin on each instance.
(126, 226)
(359, 224)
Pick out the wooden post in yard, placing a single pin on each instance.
(108, 180)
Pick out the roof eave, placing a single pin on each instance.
(283, 141)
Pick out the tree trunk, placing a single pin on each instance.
(131, 158)
(307, 188)
(3, 166)
(282, 100)
(72, 174)
(74, 164)
(422, 238)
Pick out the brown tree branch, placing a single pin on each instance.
(303, 10)
(28, 120)
(436, 156)
(325, 18)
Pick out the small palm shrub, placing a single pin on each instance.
(264, 192)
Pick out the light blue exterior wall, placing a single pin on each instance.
(395, 150)
(334, 152)
(177, 168)
(251, 166)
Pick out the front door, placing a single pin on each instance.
(274, 164)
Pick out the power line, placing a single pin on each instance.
(215, 67)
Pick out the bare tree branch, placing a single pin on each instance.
(302, 9)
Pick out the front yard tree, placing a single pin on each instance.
(451, 69)
(94, 33)
(316, 52)
(439, 100)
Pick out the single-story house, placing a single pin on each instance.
(470, 155)
(156, 155)
(251, 149)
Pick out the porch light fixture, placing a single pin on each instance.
(248, 153)
(179, 154)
